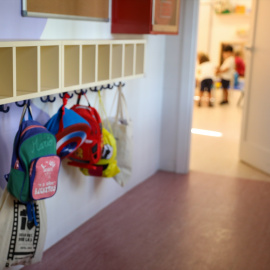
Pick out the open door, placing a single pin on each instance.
(255, 137)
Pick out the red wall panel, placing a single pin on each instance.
(132, 16)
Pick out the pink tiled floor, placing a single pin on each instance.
(174, 222)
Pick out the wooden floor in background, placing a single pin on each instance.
(174, 222)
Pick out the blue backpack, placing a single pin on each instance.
(34, 165)
(69, 128)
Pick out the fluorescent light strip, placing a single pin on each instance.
(206, 132)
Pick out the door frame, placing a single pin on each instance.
(251, 153)
(249, 61)
(186, 84)
(179, 81)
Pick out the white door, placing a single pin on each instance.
(255, 138)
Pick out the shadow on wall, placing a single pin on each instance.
(9, 126)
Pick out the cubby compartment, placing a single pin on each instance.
(88, 63)
(139, 59)
(49, 67)
(71, 65)
(117, 56)
(34, 68)
(129, 59)
(26, 70)
(103, 62)
(6, 72)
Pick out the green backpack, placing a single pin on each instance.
(34, 165)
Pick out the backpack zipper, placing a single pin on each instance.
(30, 127)
(17, 162)
(31, 168)
(16, 165)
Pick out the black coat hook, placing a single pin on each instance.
(24, 102)
(82, 92)
(48, 99)
(109, 87)
(93, 89)
(2, 109)
(101, 88)
(62, 95)
(120, 84)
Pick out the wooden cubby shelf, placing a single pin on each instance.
(49, 67)
(103, 62)
(30, 69)
(129, 60)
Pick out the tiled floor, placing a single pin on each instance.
(220, 155)
(174, 222)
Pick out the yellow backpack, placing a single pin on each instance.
(107, 165)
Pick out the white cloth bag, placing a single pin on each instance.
(21, 243)
(123, 132)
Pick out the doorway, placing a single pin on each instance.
(216, 130)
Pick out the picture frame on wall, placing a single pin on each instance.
(165, 16)
(91, 10)
(145, 17)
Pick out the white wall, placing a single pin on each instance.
(217, 28)
(204, 28)
(79, 197)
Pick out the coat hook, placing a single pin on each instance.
(82, 92)
(44, 100)
(120, 84)
(62, 95)
(20, 105)
(51, 100)
(24, 102)
(93, 89)
(2, 109)
(109, 87)
(102, 88)
(48, 99)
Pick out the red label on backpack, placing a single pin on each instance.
(43, 177)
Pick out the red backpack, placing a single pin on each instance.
(89, 152)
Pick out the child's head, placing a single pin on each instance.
(202, 57)
(227, 51)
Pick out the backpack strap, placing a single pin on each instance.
(103, 113)
(31, 214)
(65, 100)
(26, 107)
(79, 99)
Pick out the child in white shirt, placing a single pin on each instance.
(226, 71)
(205, 74)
